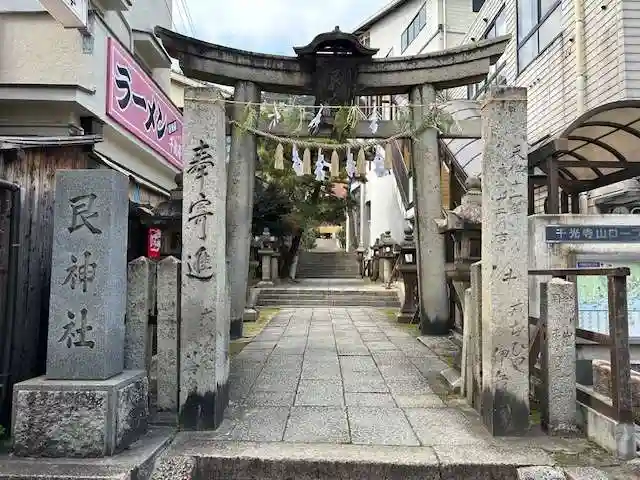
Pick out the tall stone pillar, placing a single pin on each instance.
(434, 304)
(505, 301)
(204, 329)
(241, 177)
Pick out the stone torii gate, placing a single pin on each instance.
(335, 68)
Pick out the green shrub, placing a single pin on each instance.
(308, 239)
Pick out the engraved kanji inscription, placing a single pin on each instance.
(198, 213)
(201, 162)
(80, 272)
(199, 265)
(71, 332)
(83, 213)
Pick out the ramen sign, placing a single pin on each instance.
(137, 104)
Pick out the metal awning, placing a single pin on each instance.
(597, 149)
(467, 152)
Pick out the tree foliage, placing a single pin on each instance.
(288, 204)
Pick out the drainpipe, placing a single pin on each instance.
(581, 64)
(12, 284)
(444, 24)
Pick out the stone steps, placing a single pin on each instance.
(291, 292)
(327, 265)
(327, 297)
(323, 461)
(327, 302)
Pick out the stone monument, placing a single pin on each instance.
(86, 405)
(204, 328)
(505, 299)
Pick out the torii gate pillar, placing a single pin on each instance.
(432, 283)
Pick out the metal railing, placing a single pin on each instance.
(617, 340)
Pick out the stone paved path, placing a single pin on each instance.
(326, 393)
(331, 375)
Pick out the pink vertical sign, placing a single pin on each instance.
(136, 103)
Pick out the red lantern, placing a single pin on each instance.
(153, 242)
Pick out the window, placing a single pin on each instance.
(539, 23)
(497, 28)
(414, 28)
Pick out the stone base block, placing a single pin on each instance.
(250, 315)
(405, 317)
(79, 418)
(265, 283)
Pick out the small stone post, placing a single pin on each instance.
(136, 344)
(275, 277)
(432, 283)
(465, 363)
(168, 325)
(86, 405)
(241, 178)
(558, 312)
(505, 300)
(265, 257)
(204, 328)
(474, 350)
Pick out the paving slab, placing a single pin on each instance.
(317, 424)
(346, 393)
(322, 393)
(380, 426)
(259, 424)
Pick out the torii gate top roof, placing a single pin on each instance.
(449, 68)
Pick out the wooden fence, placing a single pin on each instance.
(33, 169)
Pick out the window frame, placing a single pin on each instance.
(414, 25)
(499, 65)
(541, 19)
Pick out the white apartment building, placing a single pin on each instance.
(580, 63)
(108, 74)
(403, 28)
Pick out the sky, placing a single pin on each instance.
(269, 26)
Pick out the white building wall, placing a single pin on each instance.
(551, 77)
(386, 212)
(629, 41)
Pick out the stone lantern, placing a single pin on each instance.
(360, 257)
(409, 270)
(464, 224)
(265, 252)
(275, 271)
(254, 259)
(387, 255)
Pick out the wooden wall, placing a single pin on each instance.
(34, 170)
